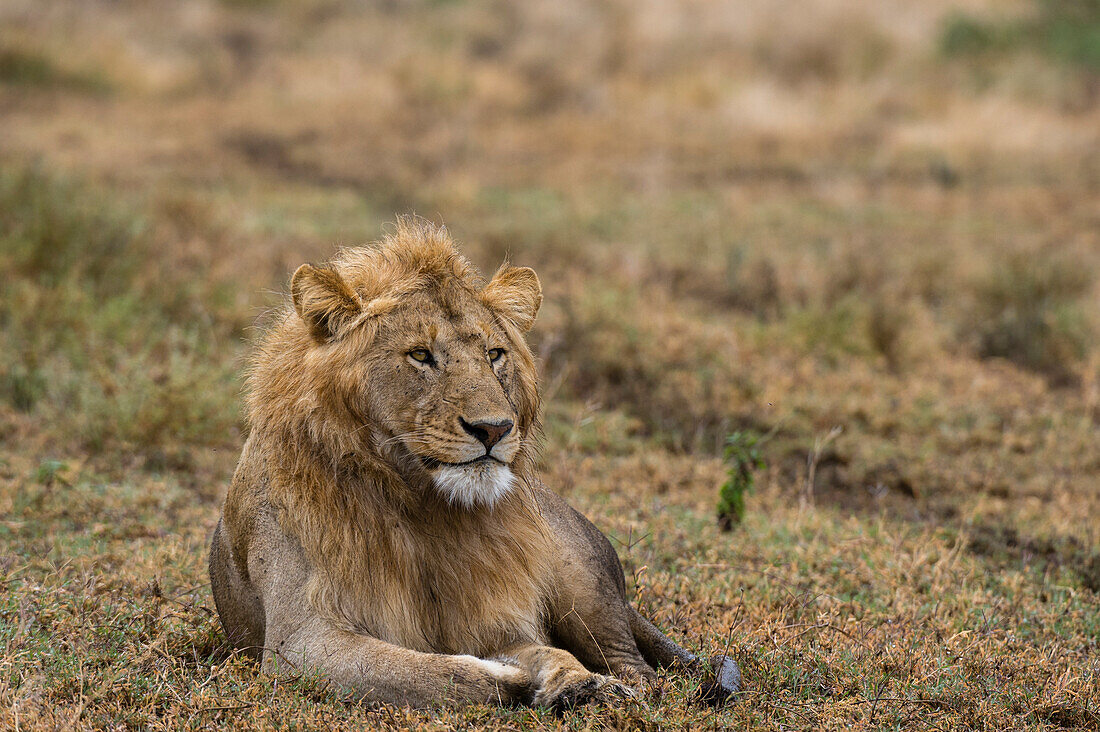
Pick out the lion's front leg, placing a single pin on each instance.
(375, 671)
(559, 680)
(298, 637)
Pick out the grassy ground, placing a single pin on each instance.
(866, 234)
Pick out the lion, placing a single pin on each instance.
(385, 527)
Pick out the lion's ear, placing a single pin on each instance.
(323, 300)
(516, 294)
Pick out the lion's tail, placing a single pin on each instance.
(722, 676)
(656, 647)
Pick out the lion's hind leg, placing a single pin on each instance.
(239, 607)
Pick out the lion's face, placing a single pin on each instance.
(443, 386)
(435, 371)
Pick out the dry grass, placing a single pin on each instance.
(744, 220)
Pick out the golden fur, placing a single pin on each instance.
(393, 562)
(385, 525)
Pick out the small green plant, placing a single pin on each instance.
(742, 456)
(48, 471)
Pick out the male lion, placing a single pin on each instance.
(385, 526)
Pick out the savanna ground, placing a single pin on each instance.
(753, 217)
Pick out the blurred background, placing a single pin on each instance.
(848, 248)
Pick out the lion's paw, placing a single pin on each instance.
(585, 689)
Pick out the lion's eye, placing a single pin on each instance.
(495, 354)
(421, 355)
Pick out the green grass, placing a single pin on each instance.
(1067, 31)
(912, 624)
(1030, 310)
(98, 336)
(28, 69)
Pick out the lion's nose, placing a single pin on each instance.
(487, 433)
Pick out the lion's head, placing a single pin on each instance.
(399, 354)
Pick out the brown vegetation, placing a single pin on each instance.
(878, 216)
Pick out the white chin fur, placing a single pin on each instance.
(480, 484)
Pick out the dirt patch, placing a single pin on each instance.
(1005, 546)
(854, 486)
